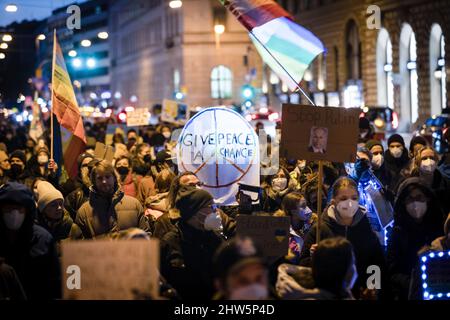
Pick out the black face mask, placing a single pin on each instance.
(16, 170)
(147, 158)
(123, 171)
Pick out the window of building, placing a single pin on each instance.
(438, 79)
(221, 82)
(384, 70)
(413, 78)
(353, 52)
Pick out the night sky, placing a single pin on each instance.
(30, 9)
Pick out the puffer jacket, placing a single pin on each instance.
(102, 216)
(366, 246)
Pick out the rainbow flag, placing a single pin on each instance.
(68, 131)
(277, 37)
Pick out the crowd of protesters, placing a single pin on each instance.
(201, 256)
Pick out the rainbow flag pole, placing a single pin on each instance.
(286, 47)
(299, 88)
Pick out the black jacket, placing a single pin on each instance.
(33, 255)
(394, 167)
(186, 261)
(366, 246)
(408, 236)
(10, 286)
(75, 200)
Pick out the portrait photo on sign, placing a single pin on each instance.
(318, 140)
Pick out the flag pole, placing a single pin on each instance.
(52, 95)
(284, 69)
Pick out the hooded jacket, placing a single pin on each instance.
(104, 215)
(32, 255)
(394, 167)
(408, 236)
(365, 243)
(187, 260)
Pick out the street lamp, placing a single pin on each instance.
(7, 37)
(72, 53)
(175, 4)
(11, 8)
(41, 37)
(2, 56)
(86, 43)
(90, 62)
(103, 35)
(3, 45)
(76, 63)
(219, 29)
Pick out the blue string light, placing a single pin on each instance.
(427, 258)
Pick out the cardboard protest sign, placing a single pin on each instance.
(112, 129)
(319, 133)
(113, 270)
(138, 117)
(435, 275)
(173, 111)
(270, 234)
(222, 148)
(104, 152)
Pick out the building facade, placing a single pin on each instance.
(399, 62)
(163, 53)
(86, 50)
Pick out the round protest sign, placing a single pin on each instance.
(222, 149)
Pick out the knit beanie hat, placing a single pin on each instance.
(417, 140)
(235, 254)
(191, 199)
(396, 138)
(19, 154)
(364, 123)
(46, 194)
(372, 143)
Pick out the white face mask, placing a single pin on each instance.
(417, 209)
(42, 159)
(377, 160)
(347, 208)
(428, 166)
(279, 184)
(364, 134)
(252, 292)
(13, 219)
(166, 134)
(213, 222)
(396, 151)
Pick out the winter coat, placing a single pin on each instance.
(102, 216)
(272, 199)
(130, 185)
(408, 237)
(33, 255)
(64, 229)
(156, 206)
(394, 167)
(75, 200)
(146, 188)
(366, 246)
(10, 286)
(186, 261)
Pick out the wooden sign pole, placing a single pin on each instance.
(319, 200)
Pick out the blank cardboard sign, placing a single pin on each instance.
(112, 270)
(270, 234)
(319, 133)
